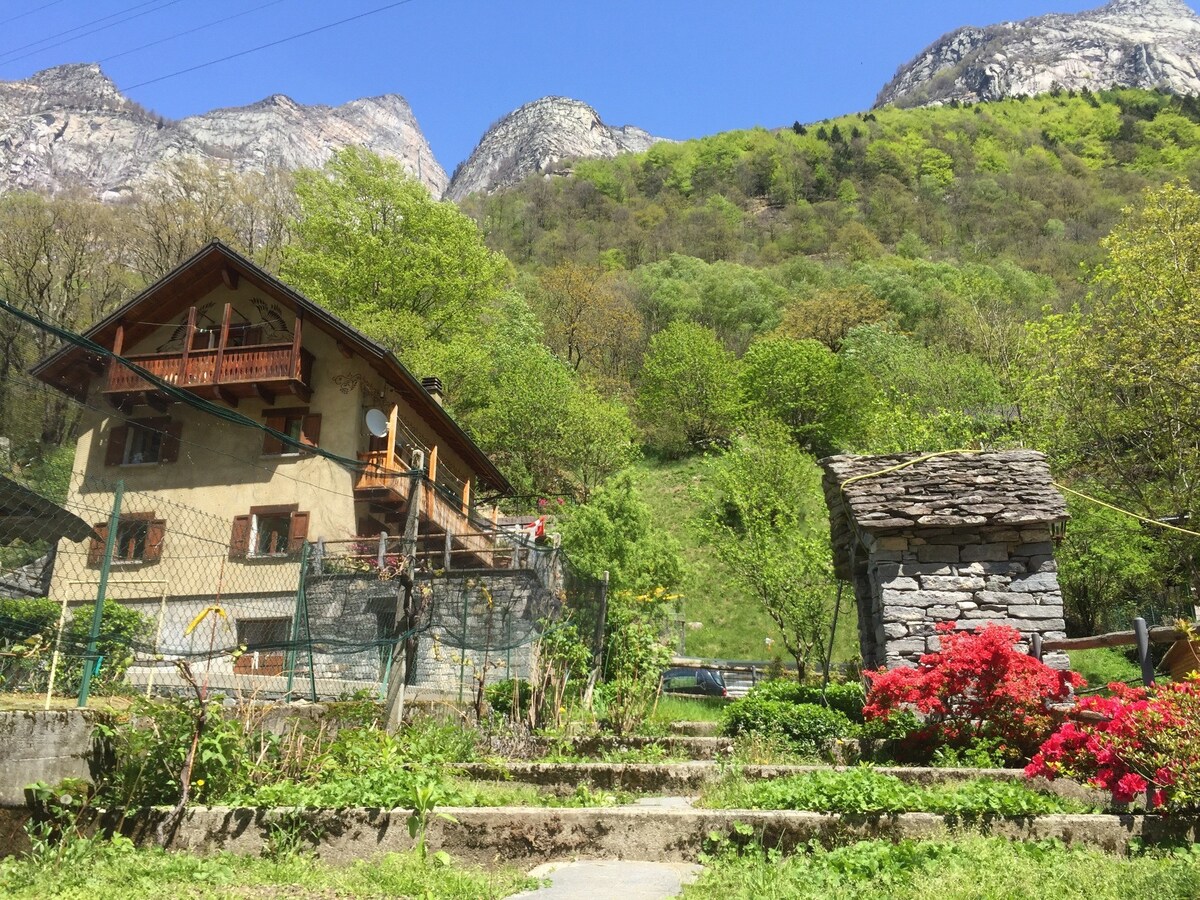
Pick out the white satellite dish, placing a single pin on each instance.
(377, 423)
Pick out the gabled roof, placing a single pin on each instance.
(28, 516)
(71, 368)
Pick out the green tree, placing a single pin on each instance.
(613, 533)
(688, 394)
(803, 386)
(1114, 392)
(765, 518)
(372, 246)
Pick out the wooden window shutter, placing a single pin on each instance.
(156, 532)
(96, 547)
(272, 444)
(114, 453)
(173, 431)
(299, 532)
(310, 431)
(239, 542)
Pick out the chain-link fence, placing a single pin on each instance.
(125, 554)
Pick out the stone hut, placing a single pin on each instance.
(962, 537)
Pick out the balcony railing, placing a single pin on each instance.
(257, 364)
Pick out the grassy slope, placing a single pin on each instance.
(733, 625)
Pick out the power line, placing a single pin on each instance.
(48, 40)
(36, 9)
(276, 43)
(180, 34)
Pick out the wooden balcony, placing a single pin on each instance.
(232, 370)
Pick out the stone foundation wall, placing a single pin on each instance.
(913, 581)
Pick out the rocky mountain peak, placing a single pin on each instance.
(1131, 43)
(70, 126)
(533, 137)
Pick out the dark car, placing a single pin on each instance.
(701, 682)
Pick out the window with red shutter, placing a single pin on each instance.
(269, 532)
(294, 422)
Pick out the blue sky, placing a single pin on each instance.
(678, 69)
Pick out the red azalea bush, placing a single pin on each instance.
(977, 689)
(1134, 743)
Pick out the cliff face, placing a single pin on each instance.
(532, 138)
(1129, 43)
(70, 127)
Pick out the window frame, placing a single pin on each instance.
(307, 427)
(152, 540)
(244, 539)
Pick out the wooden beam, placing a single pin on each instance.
(119, 340)
(227, 395)
(229, 275)
(433, 463)
(466, 497)
(221, 344)
(187, 347)
(264, 395)
(295, 361)
(393, 419)
(344, 350)
(303, 391)
(1163, 634)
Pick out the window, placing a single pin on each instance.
(139, 539)
(264, 640)
(297, 424)
(268, 532)
(143, 441)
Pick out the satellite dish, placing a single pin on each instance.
(377, 423)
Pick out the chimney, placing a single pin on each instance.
(433, 387)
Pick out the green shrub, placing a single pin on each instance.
(500, 697)
(807, 726)
(847, 698)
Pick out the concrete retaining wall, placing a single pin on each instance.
(43, 746)
(528, 836)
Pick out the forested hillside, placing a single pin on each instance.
(727, 310)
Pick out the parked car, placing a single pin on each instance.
(701, 682)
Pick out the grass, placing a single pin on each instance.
(11, 701)
(491, 794)
(733, 625)
(117, 871)
(978, 868)
(687, 709)
(863, 791)
(1104, 665)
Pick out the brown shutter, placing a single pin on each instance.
(271, 444)
(239, 543)
(96, 547)
(114, 453)
(170, 445)
(310, 430)
(298, 533)
(156, 532)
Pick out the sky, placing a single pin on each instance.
(677, 69)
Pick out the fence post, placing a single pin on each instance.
(110, 542)
(601, 619)
(295, 638)
(382, 560)
(1035, 647)
(1142, 633)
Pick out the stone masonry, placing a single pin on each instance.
(966, 538)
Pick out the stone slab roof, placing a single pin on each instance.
(958, 490)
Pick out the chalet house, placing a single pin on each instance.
(213, 508)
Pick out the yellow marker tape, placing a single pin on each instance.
(204, 613)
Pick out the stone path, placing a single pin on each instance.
(611, 880)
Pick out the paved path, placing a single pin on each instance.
(611, 880)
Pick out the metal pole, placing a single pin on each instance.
(462, 646)
(1035, 647)
(601, 617)
(295, 637)
(1142, 634)
(110, 543)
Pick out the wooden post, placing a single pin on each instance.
(391, 437)
(433, 463)
(446, 551)
(382, 550)
(225, 317)
(466, 498)
(406, 604)
(118, 346)
(187, 346)
(296, 345)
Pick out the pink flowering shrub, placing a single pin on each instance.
(1134, 743)
(977, 689)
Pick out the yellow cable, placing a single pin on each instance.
(1125, 511)
(905, 465)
